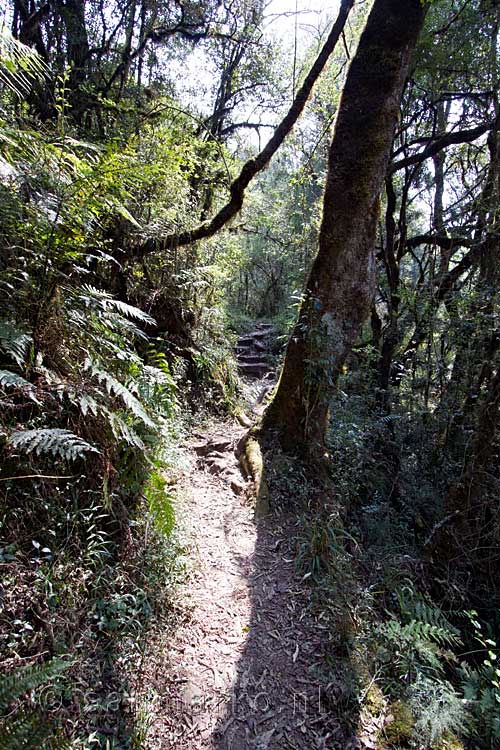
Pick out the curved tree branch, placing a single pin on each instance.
(442, 142)
(255, 165)
(440, 240)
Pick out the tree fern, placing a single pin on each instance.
(58, 442)
(20, 65)
(91, 296)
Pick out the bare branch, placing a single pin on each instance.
(441, 142)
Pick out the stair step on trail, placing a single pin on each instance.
(257, 369)
(251, 358)
(259, 334)
(253, 349)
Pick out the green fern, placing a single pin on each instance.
(157, 388)
(415, 631)
(414, 647)
(122, 431)
(114, 387)
(23, 728)
(58, 442)
(14, 341)
(160, 503)
(415, 606)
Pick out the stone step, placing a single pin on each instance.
(243, 352)
(251, 358)
(257, 337)
(246, 341)
(254, 369)
(259, 334)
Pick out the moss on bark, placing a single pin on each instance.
(341, 284)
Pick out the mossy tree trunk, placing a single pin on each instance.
(341, 284)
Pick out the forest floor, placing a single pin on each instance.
(243, 667)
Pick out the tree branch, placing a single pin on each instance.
(442, 142)
(444, 241)
(255, 165)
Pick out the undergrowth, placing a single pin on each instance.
(90, 421)
(410, 662)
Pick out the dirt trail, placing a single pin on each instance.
(243, 669)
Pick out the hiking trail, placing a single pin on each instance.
(242, 668)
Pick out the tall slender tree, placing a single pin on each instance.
(340, 288)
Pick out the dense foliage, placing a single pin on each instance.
(108, 144)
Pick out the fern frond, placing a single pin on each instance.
(114, 387)
(10, 379)
(19, 682)
(415, 607)
(92, 296)
(88, 404)
(14, 341)
(58, 442)
(416, 631)
(158, 389)
(20, 65)
(160, 503)
(26, 729)
(426, 631)
(122, 431)
(132, 312)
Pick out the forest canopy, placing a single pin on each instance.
(172, 175)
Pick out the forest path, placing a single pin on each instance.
(243, 667)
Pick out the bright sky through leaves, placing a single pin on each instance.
(305, 15)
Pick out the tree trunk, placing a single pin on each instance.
(391, 337)
(340, 288)
(78, 49)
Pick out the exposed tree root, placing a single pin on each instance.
(250, 456)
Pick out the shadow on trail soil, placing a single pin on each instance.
(294, 686)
